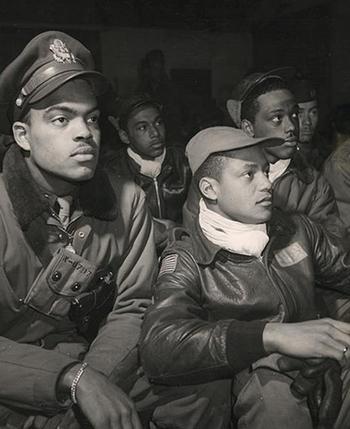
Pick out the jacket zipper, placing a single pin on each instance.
(156, 187)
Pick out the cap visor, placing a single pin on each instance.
(100, 83)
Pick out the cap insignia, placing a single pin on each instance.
(61, 53)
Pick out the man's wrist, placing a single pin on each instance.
(65, 381)
(270, 337)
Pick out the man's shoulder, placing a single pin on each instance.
(126, 190)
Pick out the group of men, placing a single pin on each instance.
(230, 330)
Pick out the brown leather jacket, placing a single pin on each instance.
(165, 194)
(211, 305)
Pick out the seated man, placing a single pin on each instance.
(312, 144)
(263, 106)
(162, 172)
(77, 253)
(236, 294)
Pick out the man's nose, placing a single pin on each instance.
(266, 184)
(154, 131)
(306, 119)
(82, 130)
(290, 125)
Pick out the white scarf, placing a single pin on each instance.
(278, 168)
(237, 237)
(149, 168)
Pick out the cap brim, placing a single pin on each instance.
(100, 83)
(282, 73)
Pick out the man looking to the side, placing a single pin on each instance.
(77, 253)
(235, 297)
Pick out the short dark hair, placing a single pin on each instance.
(128, 106)
(250, 106)
(213, 166)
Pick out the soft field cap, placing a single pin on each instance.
(220, 139)
(47, 62)
(303, 90)
(249, 84)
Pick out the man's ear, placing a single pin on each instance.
(20, 132)
(208, 188)
(124, 136)
(247, 127)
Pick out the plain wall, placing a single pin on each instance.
(227, 55)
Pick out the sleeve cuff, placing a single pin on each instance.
(244, 343)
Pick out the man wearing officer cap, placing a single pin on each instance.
(77, 249)
(234, 296)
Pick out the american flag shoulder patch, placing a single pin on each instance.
(168, 264)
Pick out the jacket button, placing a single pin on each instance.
(56, 276)
(81, 234)
(76, 286)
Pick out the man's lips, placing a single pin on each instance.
(84, 150)
(292, 141)
(266, 202)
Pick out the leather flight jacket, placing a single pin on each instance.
(211, 305)
(166, 193)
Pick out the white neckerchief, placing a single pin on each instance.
(237, 237)
(149, 168)
(278, 168)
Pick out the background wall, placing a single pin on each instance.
(227, 55)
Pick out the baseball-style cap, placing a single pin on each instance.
(251, 82)
(220, 139)
(47, 62)
(130, 104)
(303, 90)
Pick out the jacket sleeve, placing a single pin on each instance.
(29, 375)
(180, 344)
(331, 257)
(113, 350)
(337, 172)
(323, 207)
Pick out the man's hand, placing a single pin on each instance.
(323, 338)
(102, 403)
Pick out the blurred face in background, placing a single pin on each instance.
(308, 118)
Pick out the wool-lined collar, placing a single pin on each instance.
(96, 196)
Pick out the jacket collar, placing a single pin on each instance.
(29, 202)
(301, 167)
(205, 252)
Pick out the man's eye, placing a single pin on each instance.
(295, 115)
(93, 119)
(141, 128)
(60, 120)
(160, 122)
(277, 119)
(248, 174)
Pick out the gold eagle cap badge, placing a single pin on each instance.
(61, 53)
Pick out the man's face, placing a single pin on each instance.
(146, 132)
(243, 192)
(278, 117)
(308, 118)
(64, 139)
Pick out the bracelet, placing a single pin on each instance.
(74, 385)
